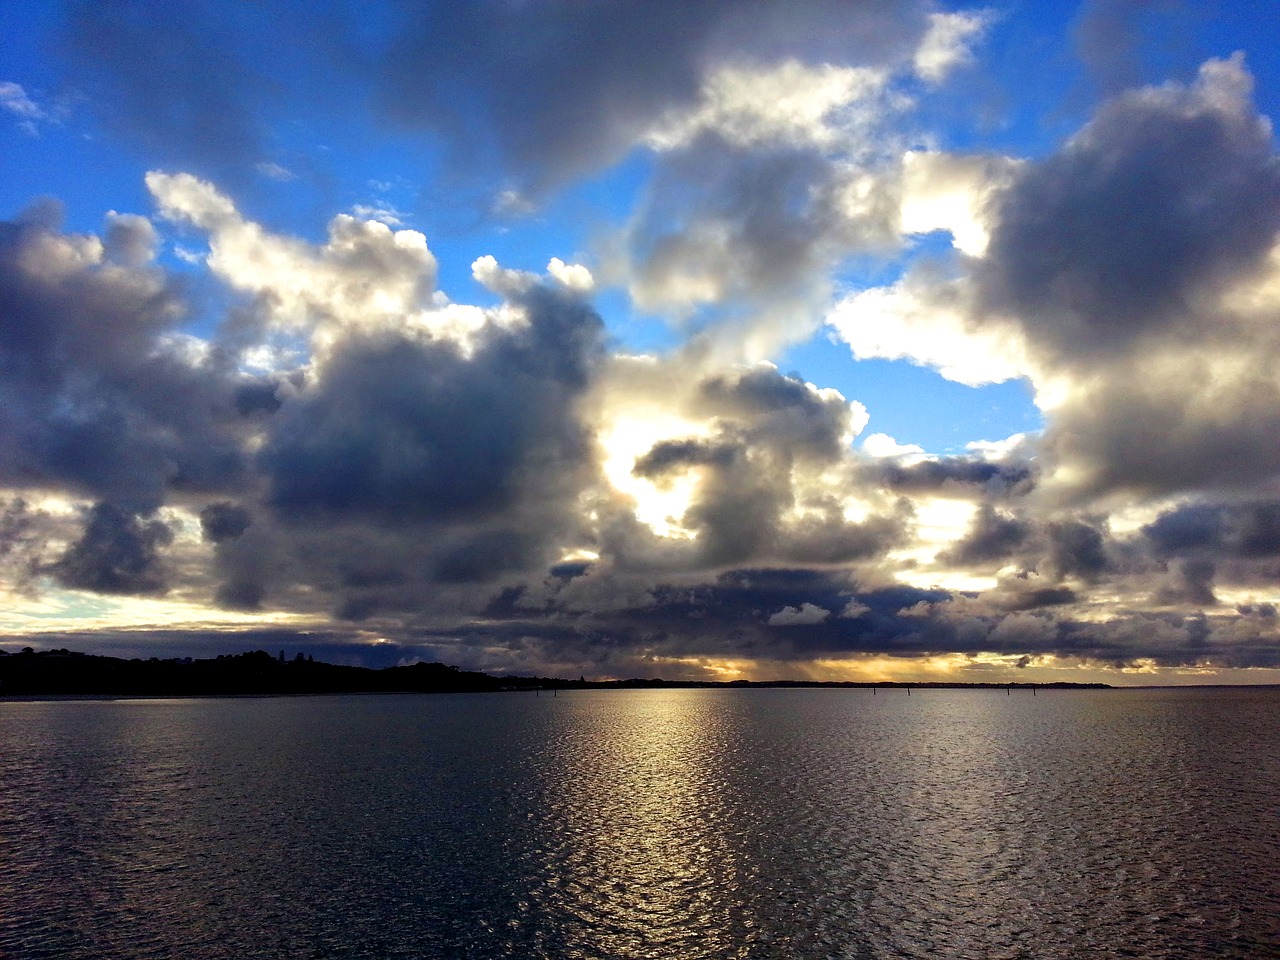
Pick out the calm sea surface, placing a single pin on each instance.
(655, 824)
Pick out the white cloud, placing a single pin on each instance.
(806, 614)
(365, 275)
(946, 191)
(15, 99)
(882, 446)
(853, 610)
(382, 212)
(573, 275)
(273, 171)
(948, 42)
(926, 320)
(512, 203)
(1018, 445)
(811, 106)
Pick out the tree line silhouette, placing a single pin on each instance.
(64, 672)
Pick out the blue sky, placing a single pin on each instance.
(692, 339)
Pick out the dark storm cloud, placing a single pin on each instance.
(1076, 549)
(406, 471)
(828, 538)
(257, 397)
(731, 616)
(1181, 426)
(93, 396)
(400, 428)
(224, 521)
(1119, 41)
(1165, 193)
(558, 88)
(117, 553)
(207, 84)
(16, 526)
(1010, 598)
(250, 561)
(673, 455)
(543, 91)
(953, 475)
(1243, 530)
(992, 537)
(21, 540)
(1190, 581)
(170, 77)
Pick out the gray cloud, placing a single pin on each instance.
(172, 80)
(116, 553)
(558, 89)
(991, 538)
(448, 490)
(1076, 549)
(223, 521)
(770, 432)
(94, 396)
(1243, 530)
(397, 427)
(953, 475)
(1165, 193)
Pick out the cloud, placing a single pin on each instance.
(559, 90)
(946, 44)
(804, 615)
(97, 395)
(1126, 275)
(1165, 195)
(1245, 530)
(29, 114)
(117, 553)
(365, 275)
(224, 521)
(991, 538)
(176, 83)
(307, 427)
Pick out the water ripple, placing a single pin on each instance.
(682, 824)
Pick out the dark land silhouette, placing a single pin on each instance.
(63, 672)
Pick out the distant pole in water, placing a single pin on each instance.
(908, 689)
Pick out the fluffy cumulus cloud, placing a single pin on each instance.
(258, 416)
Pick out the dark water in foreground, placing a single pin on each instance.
(656, 824)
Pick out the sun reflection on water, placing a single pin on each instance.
(642, 859)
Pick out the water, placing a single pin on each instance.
(655, 824)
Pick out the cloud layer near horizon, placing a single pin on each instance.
(201, 410)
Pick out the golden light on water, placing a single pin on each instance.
(643, 853)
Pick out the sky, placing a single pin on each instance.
(725, 339)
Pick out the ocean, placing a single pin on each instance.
(709, 823)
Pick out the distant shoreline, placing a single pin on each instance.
(66, 674)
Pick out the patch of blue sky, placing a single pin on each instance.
(913, 404)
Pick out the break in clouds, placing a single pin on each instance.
(308, 438)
